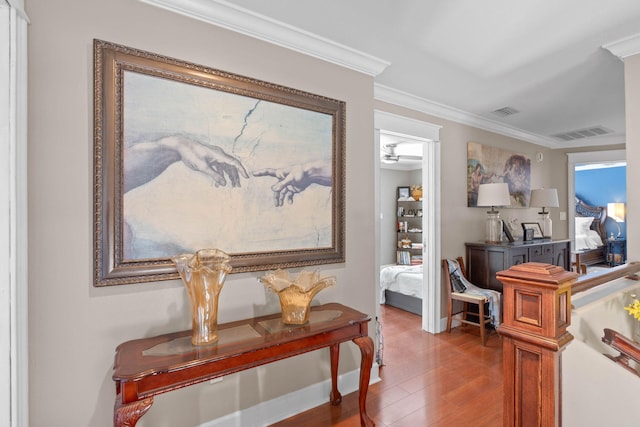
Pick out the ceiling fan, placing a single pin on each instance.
(389, 155)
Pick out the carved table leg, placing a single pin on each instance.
(335, 397)
(366, 349)
(127, 415)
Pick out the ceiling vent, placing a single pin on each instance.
(582, 133)
(505, 111)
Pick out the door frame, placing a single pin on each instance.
(14, 362)
(586, 157)
(430, 135)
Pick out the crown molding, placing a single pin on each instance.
(226, 15)
(403, 99)
(625, 47)
(18, 6)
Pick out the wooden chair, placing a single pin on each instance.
(466, 299)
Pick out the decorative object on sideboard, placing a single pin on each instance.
(535, 228)
(495, 194)
(507, 232)
(296, 295)
(527, 236)
(616, 211)
(545, 198)
(203, 274)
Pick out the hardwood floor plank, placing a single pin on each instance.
(427, 380)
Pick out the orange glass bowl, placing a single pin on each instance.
(296, 295)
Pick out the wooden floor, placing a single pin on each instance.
(427, 380)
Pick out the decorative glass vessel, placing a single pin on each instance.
(296, 295)
(547, 225)
(203, 274)
(494, 227)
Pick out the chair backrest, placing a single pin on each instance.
(447, 276)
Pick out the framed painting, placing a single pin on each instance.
(486, 164)
(188, 157)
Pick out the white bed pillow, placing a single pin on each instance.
(583, 225)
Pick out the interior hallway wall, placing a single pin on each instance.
(75, 327)
(632, 114)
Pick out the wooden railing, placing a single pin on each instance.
(629, 349)
(592, 280)
(537, 312)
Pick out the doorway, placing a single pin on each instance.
(591, 158)
(429, 136)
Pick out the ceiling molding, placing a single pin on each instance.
(625, 47)
(18, 6)
(404, 99)
(226, 15)
(234, 18)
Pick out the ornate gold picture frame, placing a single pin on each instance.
(189, 157)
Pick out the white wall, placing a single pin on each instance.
(74, 327)
(612, 389)
(632, 112)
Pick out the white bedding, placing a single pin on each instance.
(405, 279)
(585, 237)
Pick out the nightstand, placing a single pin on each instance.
(616, 252)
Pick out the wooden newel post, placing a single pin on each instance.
(536, 313)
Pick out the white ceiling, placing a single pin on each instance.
(542, 58)
(463, 59)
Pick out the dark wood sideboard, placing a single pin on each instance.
(484, 260)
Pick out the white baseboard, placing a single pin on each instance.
(455, 321)
(288, 405)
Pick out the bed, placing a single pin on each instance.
(401, 287)
(590, 233)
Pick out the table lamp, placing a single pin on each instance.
(495, 194)
(545, 198)
(616, 212)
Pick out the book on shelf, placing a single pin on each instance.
(403, 258)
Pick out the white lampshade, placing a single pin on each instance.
(615, 211)
(495, 194)
(544, 198)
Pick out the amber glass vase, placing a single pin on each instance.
(203, 274)
(296, 295)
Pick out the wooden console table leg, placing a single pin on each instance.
(127, 415)
(335, 397)
(366, 349)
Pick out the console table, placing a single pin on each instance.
(150, 366)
